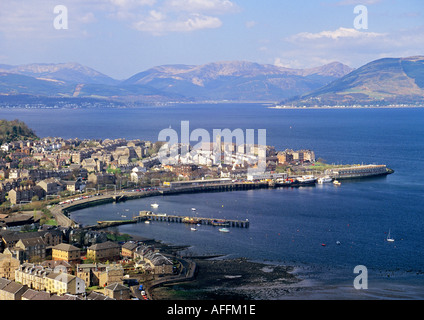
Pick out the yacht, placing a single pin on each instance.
(326, 179)
(154, 205)
(390, 239)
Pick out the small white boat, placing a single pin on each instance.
(193, 209)
(336, 183)
(224, 230)
(193, 229)
(390, 239)
(326, 179)
(147, 222)
(154, 205)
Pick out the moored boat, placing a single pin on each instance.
(326, 179)
(224, 230)
(309, 179)
(191, 220)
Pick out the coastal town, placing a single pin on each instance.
(44, 255)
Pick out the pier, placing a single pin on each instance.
(163, 217)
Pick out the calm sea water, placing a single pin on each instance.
(288, 225)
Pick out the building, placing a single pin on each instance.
(290, 156)
(62, 283)
(32, 275)
(157, 263)
(19, 222)
(117, 291)
(101, 178)
(128, 249)
(104, 251)
(67, 253)
(97, 274)
(33, 248)
(51, 186)
(192, 183)
(90, 273)
(357, 171)
(51, 237)
(11, 290)
(8, 265)
(137, 176)
(113, 273)
(266, 176)
(25, 194)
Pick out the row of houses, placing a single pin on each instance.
(22, 191)
(12, 290)
(290, 156)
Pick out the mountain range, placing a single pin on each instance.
(383, 81)
(232, 80)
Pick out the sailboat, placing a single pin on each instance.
(389, 239)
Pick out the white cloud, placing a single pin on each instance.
(355, 2)
(250, 24)
(336, 34)
(169, 16)
(202, 6)
(158, 24)
(132, 3)
(34, 19)
(312, 49)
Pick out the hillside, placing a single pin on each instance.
(381, 82)
(234, 81)
(237, 80)
(62, 72)
(15, 130)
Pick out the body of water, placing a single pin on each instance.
(288, 225)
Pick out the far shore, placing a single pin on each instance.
(348, 107)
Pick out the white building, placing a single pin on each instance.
(266, 176)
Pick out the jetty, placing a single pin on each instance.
(163, 217)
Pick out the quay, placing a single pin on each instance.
(212, 186)
(61, 211)
(163, 217)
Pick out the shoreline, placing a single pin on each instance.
(175, 104)
(346, 107)
(231, 279)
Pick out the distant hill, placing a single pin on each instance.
(237, 80)
(234, 81)
(381, 82)
(15, 130)
(67, 72)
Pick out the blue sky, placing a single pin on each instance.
(123, 37)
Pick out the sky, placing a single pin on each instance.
(123, 37)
